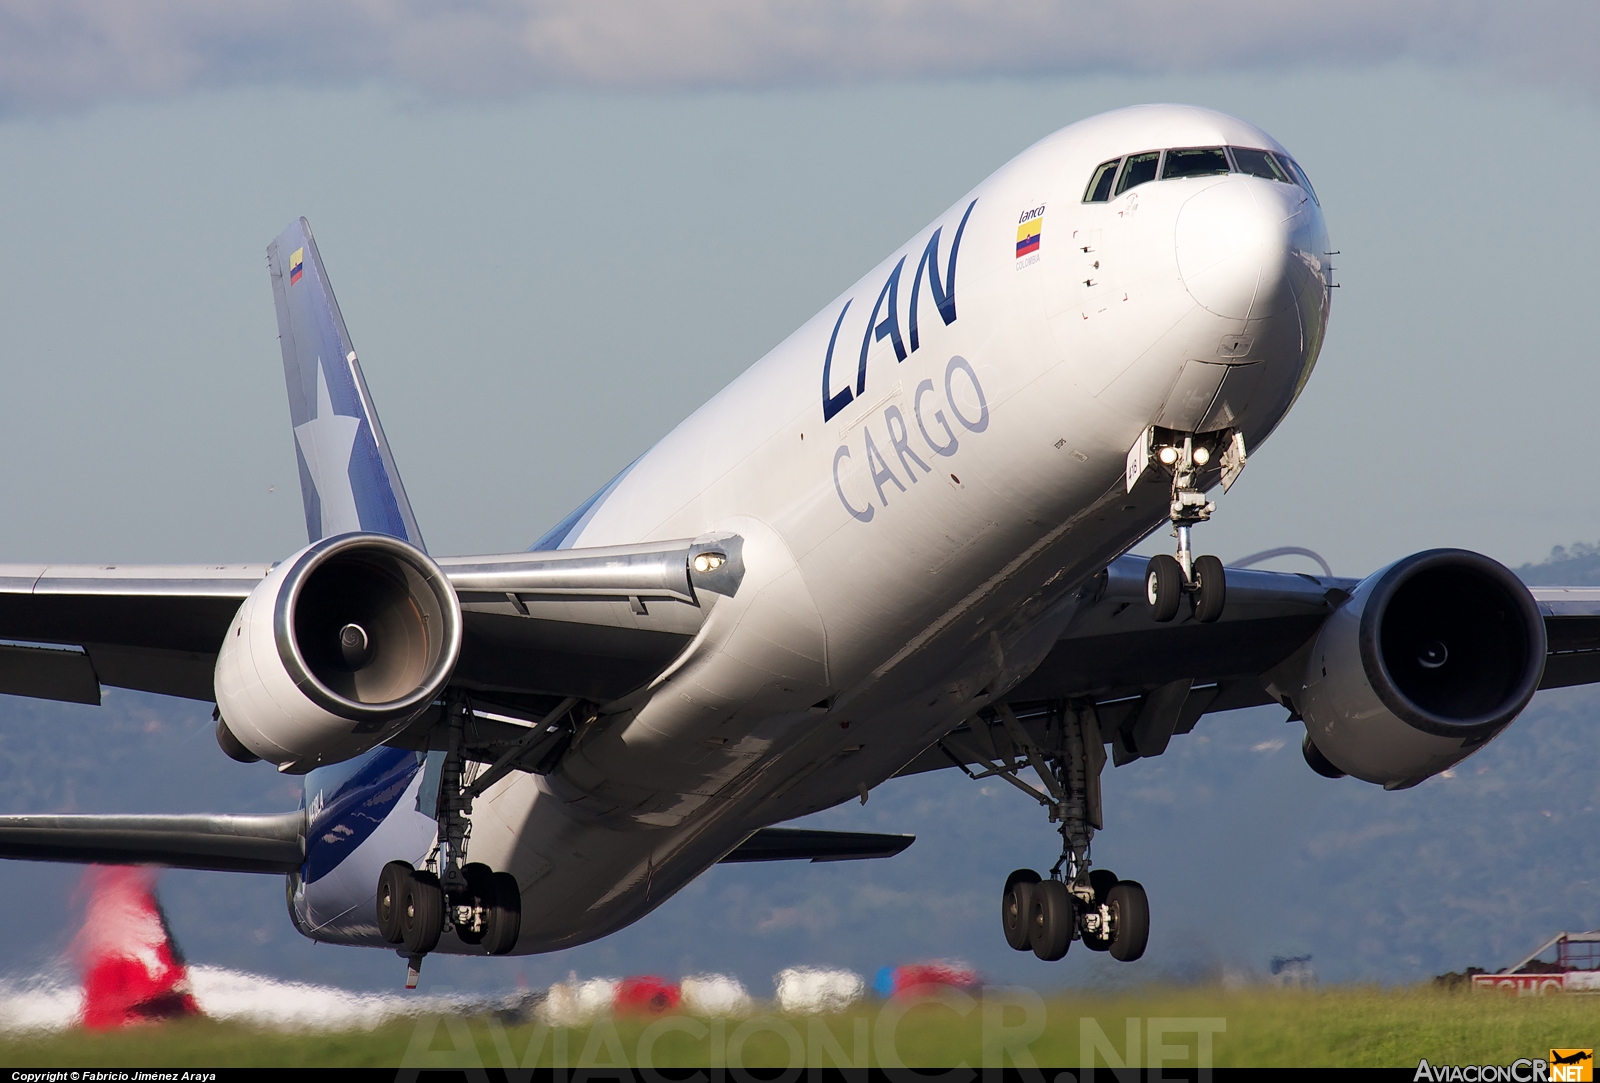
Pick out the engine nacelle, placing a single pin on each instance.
(1427, 661)
(336, 650)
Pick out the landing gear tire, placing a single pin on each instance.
(391, 891)
(1016, 907)
(1050, 930)
(1210, 589)
(1102, 880)
(421, 913)
(1130, 920)
(489, 913)
(505, 916)
(1163, 585)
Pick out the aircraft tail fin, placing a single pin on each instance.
(348, 478)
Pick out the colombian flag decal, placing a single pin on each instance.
(297, 264)
(1028, 236)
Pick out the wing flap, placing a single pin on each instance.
(186, 674)
(48, 673)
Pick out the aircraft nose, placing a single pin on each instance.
(1245, 249)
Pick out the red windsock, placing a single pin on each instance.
(132, 970)
(918, 976)
(646, 994)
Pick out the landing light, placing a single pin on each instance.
(1169, 455)
(1201, 456)
(708, 562)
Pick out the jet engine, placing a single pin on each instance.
(335, 651)
(1426, 662)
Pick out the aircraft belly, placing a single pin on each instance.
(582, 878)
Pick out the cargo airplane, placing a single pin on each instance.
(896, 543)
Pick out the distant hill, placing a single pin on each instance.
(1245, 852)
(1578, 566)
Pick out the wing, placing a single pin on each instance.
(592, 624)
(1151, 681)
(154, 628)
(1572, 622)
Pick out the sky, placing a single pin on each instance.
(542, 285)
(557, 228)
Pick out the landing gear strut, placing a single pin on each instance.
(416, 907)
(1075, 901)
(1186, 456)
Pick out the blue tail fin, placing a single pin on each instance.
(348, 478)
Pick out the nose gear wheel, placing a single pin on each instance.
(1195, 462)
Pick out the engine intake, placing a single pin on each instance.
(336, 650)
(1426, 661)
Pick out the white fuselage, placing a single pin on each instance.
(915, 527)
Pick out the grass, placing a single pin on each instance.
(1339, 1026)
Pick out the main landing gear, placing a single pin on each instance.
(1045, 914)
(1187, 456)
(416, 907)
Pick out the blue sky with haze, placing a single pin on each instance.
(542, 287)
(557, 229)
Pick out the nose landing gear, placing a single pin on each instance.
(1166, 584)
(1187, 457)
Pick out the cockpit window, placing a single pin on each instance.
(1140, 169)
(1182, 162)
(1099, 189)
(1194, 162)
(1299, 175)
(1258, 163)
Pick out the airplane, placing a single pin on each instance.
(899, 542)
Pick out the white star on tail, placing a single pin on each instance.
(326, 442)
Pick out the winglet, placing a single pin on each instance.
(348, 478)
